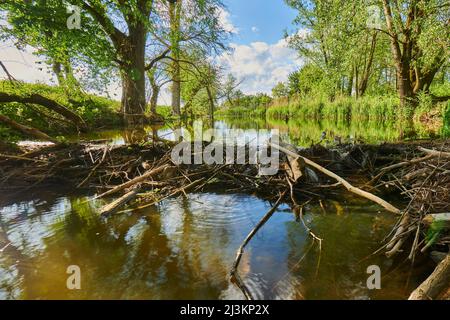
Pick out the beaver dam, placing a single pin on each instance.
(410, 181)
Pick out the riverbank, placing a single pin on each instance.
(97, 112)
(346, 109)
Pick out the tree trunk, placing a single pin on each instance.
(350, 82)
(175, 18)
(154, 97)
(401, 60)
(133, 76)
(211, 103)
(59, 75)
(365, 78)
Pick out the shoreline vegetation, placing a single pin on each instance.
(346, 109)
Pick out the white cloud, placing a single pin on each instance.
(260, 65)
(225, 21)
(255, 29)
(24, 65)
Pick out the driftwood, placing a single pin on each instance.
(438, 281)
(116, 204)
(29, 131)
(134, 181)
(234, 274)
(342, 181)
(435, 152)
(425, 180)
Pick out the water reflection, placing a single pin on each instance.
(301, 132)
(183, 249)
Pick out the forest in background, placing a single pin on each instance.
(377, 59)
(374, 60)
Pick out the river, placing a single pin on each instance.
(183, 248)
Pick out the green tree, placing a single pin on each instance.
(280, 90)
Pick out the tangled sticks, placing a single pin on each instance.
(144, 175)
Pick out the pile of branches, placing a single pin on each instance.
(425, 223)
(146, 174)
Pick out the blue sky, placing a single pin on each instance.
(269, 17)
(261, 57)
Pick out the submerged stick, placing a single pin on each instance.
(344, 182)
(234, 275)
(134, 181)
(116, 204)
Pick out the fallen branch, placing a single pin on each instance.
(29, 131)
(134, 181)
(47, 103)
(436, 153)
(435, 283)
(234, 275)
(344, 182)
(116, 204)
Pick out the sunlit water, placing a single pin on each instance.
(184, 247)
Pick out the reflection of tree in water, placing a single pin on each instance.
(135, 135)
(18, 259)
(123, 257)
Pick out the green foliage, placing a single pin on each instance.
(96, 111)
(280, 91)
(164, 111)
(446, 127)
(43, 26)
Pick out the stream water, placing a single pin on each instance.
(183, 248)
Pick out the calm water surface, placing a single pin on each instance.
(183, 248)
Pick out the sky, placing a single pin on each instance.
(259, 57)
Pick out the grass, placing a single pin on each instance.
(240, 112)
(344, 108)
(96, 111)
(446, 126)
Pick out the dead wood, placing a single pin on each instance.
(344, 182)
(29, 131)
(47, 103)
(438, 281)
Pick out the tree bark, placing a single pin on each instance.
(401, 61)
(368, 67)
(175, 18)
(435, 283)
(133, 76)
